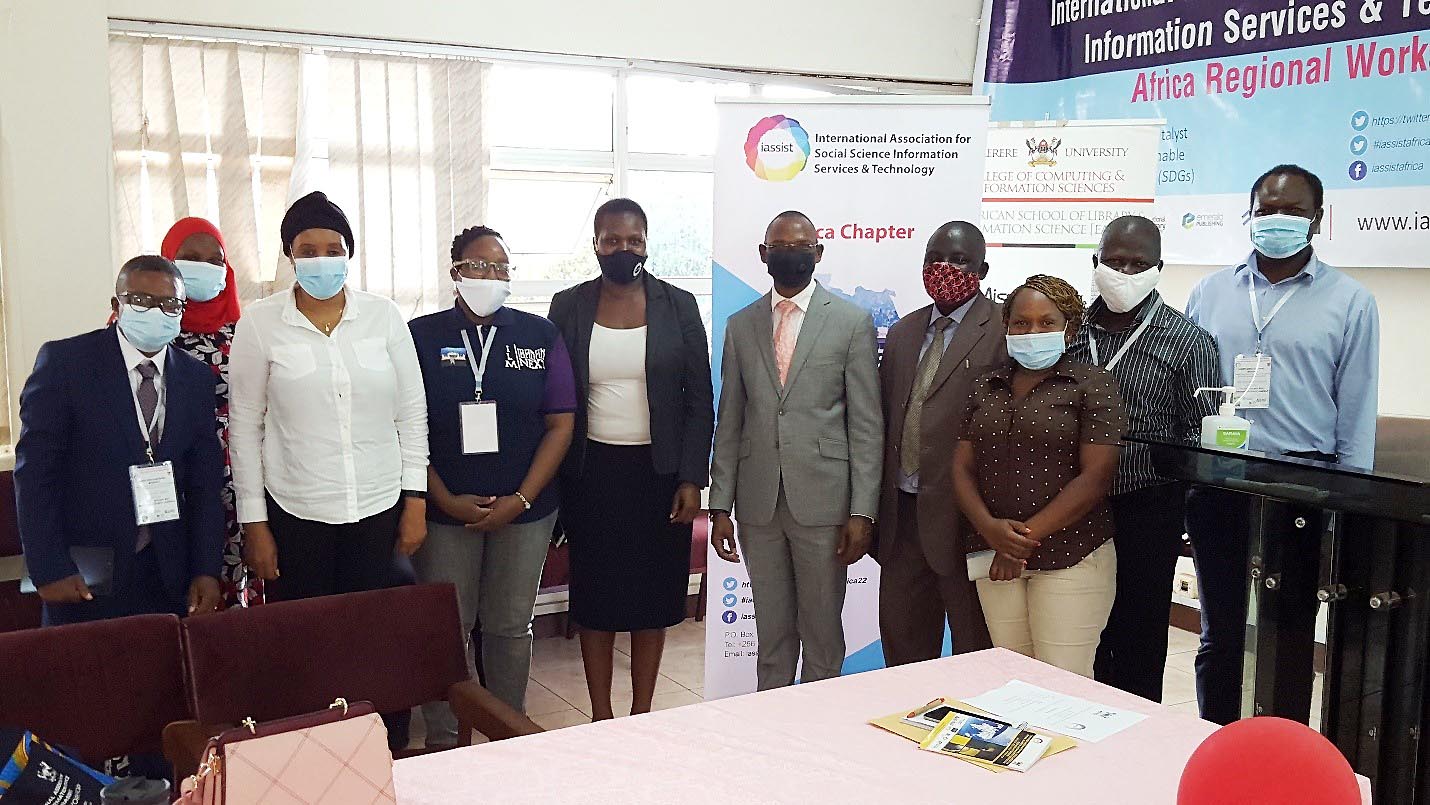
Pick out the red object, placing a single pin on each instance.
(99, 689)
(210, 316)
(1267, 761)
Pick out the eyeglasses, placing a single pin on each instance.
(482, 270)
(140, 302)
(792, 248)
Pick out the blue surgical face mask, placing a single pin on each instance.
(150, 330)
(1037, 351)
(321, 277)
(1280, 236)
(203, 282)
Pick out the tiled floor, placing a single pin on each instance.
(557, 695)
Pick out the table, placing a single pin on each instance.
(810, 744)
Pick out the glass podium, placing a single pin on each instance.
(1358, 542)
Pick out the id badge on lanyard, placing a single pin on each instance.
(156, 496)
(1252, 375)
(478, 418)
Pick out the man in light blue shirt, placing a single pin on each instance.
(1321, 333)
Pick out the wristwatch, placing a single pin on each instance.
(414, 493)
(525, 504)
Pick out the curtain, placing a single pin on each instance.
(406, 161)
(206, 129)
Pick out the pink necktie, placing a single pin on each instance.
(785, 338)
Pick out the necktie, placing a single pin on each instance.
(912, 442)
(148, 396)
(785, 338)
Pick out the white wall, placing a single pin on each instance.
(54, 174)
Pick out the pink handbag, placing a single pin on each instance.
(335, 757)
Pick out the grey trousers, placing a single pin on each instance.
(798, 586)
(496, 575)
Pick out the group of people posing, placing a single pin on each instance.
(319, 444)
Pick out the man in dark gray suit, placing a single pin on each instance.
(798, 451)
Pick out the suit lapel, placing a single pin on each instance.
(175, 391)
(809, 331)
(971, 330)
(765, 335)
(114, 385)
(659, 319)
(588, 296)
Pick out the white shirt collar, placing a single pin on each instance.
(133, 357)
(801, 299)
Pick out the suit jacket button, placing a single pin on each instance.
(782, 412)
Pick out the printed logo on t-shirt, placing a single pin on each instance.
(523, 358)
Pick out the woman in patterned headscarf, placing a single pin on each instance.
(196, 246)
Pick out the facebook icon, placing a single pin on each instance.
(1358, 170)
(728, 616)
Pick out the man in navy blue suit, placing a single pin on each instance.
(118, 458)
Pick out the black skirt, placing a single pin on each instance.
(630, 566)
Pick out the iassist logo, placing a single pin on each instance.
(777, 148)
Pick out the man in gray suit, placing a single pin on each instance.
(798, 451)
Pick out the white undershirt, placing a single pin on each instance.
(617, 409)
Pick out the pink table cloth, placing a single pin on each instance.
(811, 744)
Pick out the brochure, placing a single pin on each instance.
(969, 737)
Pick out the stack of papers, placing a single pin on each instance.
(1008, 728)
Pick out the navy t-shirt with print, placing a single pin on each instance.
(528, 374)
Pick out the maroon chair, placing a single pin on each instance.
(100, 689)
(397, 648)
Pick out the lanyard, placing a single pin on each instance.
(1146, 322)
(480, 369)
(1256, 320)
(153, 421)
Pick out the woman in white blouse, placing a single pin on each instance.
(328, 423)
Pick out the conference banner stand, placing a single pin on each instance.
(877, 175)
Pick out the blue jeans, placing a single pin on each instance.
(496, 575)
(1219, 523)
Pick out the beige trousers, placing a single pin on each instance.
(1055, 616)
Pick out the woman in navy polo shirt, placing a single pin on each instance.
(500, 409)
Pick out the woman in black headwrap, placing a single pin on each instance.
(328, 423)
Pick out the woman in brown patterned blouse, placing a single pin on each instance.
(1032, 472)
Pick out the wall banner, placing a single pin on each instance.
(1340, 87)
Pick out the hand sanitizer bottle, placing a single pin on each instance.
(1225, 430)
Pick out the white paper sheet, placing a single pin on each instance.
(1056, 712)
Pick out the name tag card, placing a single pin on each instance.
(156, 499)
(479, 427)
(1253, 381)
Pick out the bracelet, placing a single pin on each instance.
(525, 504)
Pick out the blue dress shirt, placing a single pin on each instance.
(1324, 344)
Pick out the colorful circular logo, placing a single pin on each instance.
(777, 148)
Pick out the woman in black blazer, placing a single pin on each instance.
(639, 456)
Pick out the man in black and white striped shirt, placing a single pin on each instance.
(1160, 358)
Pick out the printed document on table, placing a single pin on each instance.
(1067, 715)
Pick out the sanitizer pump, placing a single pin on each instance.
(1225, 430)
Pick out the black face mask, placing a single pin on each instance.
(622, 268)
(791, 269)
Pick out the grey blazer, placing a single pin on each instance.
(822, 434)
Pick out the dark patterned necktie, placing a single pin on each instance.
(912, 442)
(148, 395)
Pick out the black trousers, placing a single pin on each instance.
(324, 559)
(1133, 651)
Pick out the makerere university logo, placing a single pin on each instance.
(777, 148)
(1042, 153)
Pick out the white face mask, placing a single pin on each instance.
(1122, 292)
(483, 297)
